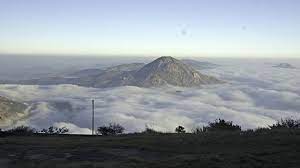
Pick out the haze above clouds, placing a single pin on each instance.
(255, 95)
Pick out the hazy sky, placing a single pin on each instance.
(151, 27)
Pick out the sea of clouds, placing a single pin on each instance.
(255, 95)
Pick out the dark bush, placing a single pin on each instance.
(150, 131)
(111, 129)
(262, 130)
(197, 130)
(248, 132)
(179, 129)
(2, 133)
(55, 130)
(21, 130)
(221, 125)
(286, 124)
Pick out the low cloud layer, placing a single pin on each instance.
(255, 95)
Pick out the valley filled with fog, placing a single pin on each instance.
(257, 93)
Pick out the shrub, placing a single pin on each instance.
(111, 129)
(21, 130)
(179, 129)
(150, 131)
(221, 125)
(286, 124)
(197, 130)
(55, 130)
(262, 130)
(248, 132)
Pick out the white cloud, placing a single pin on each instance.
(255, 96)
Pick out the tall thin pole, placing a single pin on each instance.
(93, 116)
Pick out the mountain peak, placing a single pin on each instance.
(161, 61)
(168, 70)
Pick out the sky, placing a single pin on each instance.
(213, 28)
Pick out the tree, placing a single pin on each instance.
(179, 129)
(22, 130)
(286, 123)
(111, 129)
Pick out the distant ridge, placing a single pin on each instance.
(284, 65)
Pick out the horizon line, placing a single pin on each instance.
(153, 55)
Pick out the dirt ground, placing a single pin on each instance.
(273, 149)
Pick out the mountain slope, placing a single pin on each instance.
(10, 110)
(85, 72)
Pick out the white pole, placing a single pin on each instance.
(93, 116)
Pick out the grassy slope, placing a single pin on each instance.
(273, 149)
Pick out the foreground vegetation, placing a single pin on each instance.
(220, 144)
